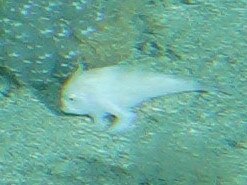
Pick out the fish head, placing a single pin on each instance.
(73, 99)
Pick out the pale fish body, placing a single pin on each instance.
(115, 90)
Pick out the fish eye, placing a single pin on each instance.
(71, 97)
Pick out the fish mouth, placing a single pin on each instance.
(62, 107)
(65, 110)
(62, 104)
(63, 95)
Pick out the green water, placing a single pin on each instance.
(182, 139)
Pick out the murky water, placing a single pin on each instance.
(179, 139)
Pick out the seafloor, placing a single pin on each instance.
(183, 139)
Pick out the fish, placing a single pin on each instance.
(109, 94)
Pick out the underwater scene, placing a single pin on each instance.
(115, 92)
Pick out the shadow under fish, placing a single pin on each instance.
(8, 82)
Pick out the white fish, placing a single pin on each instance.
(115, 90)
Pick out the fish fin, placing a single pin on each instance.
(120, 121)
(124, 121)
(119, 118)
(80, 68)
